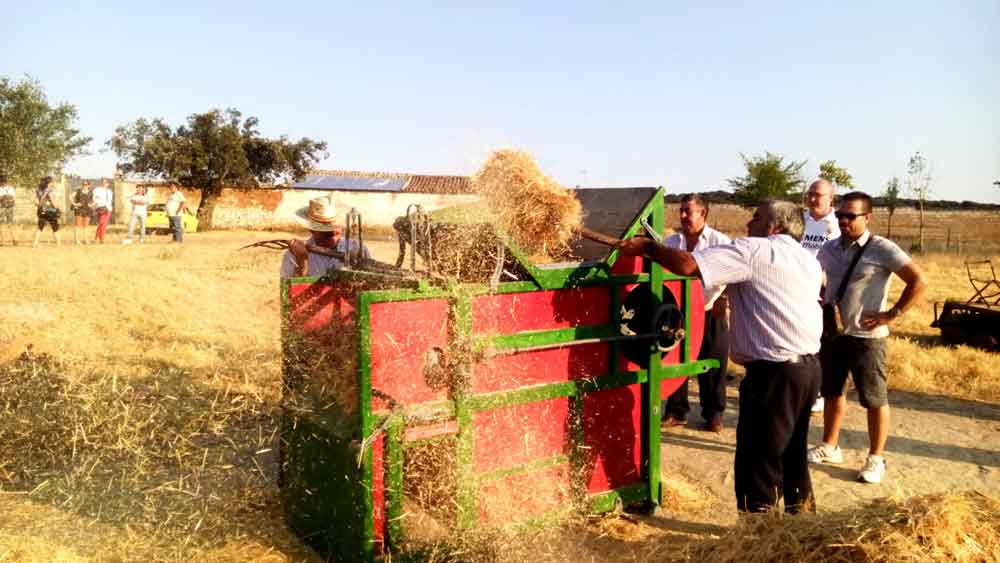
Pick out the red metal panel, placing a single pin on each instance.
(544, 366)
(611, 420)
(521, 433)
(401, 334)
(524, 495)
(313, 306)
(540, 310)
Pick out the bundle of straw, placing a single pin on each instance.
(536, 212)
(960, 527)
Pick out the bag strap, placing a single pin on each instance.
(847, 277)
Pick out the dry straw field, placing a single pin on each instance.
(139, 392)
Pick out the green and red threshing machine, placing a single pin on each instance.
(505, 400)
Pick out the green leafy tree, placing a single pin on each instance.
(36, 138)
(918, 184)
(212, 151)
(767, 177)
(835, 174)
(891, 196)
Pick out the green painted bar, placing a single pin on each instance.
(605, 502)
(651, 414)
(461, 311)
(686, 349)
(431, 440)
(544, 337)
(533, 465)
(365, 395)
(394, 481)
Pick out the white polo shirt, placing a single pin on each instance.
(709, 237)
(773, 283)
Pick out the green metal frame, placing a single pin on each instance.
(463, 404)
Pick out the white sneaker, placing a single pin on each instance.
(126, 241)
(817, 406)
(825, 454)
(873, 471)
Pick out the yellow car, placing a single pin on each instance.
(157, 222)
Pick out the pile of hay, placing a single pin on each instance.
(957, 527)
(536, 212)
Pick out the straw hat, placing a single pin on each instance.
(319, 215)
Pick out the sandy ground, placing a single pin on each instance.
(936, 444)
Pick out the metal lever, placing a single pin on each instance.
(649, 230)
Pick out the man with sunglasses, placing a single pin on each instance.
(860, 349)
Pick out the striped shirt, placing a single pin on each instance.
(709, 237)
(773, 283)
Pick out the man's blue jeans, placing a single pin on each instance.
(176, 227)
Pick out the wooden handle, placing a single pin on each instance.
(599, 237)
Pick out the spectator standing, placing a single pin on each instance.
(772, 283)
(48, 213)
(140, 204)
(8, 199)
(102, 209)
(695, 234)
(82, 203)
(868, 262)
(176, 204)
(820, 226)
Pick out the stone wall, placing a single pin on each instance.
(266, 208)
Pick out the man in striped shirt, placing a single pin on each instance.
(775, 330)
(695, 234)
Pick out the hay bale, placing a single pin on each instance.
(962, 527)
(536, 212)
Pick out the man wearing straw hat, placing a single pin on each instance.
(320, 217)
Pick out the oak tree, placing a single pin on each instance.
(212, 151)
(37, 138)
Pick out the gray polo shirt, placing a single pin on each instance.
(869, 284)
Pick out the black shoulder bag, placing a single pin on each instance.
(830, 327)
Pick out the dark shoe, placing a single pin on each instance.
(670, 422)
(715, 424)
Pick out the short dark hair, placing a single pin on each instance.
(695, 198)
(864, 198)
(44, 183)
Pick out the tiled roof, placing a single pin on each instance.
(424, 184)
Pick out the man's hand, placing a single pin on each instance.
(635, 246)
(298, 250)
(871, 320)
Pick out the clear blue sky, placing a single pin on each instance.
(602, 93)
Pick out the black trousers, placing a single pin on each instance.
(772, 435)
(712, 383)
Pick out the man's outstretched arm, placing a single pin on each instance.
(677, 261)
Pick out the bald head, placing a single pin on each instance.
(819, 198)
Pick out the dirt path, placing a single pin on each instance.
(936, 444)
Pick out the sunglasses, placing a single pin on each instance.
(848, 215)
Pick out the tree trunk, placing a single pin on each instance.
(921, 225)
(888, 233)
(206, 209)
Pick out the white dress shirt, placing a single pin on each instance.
(773, 283)
(709, 237)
